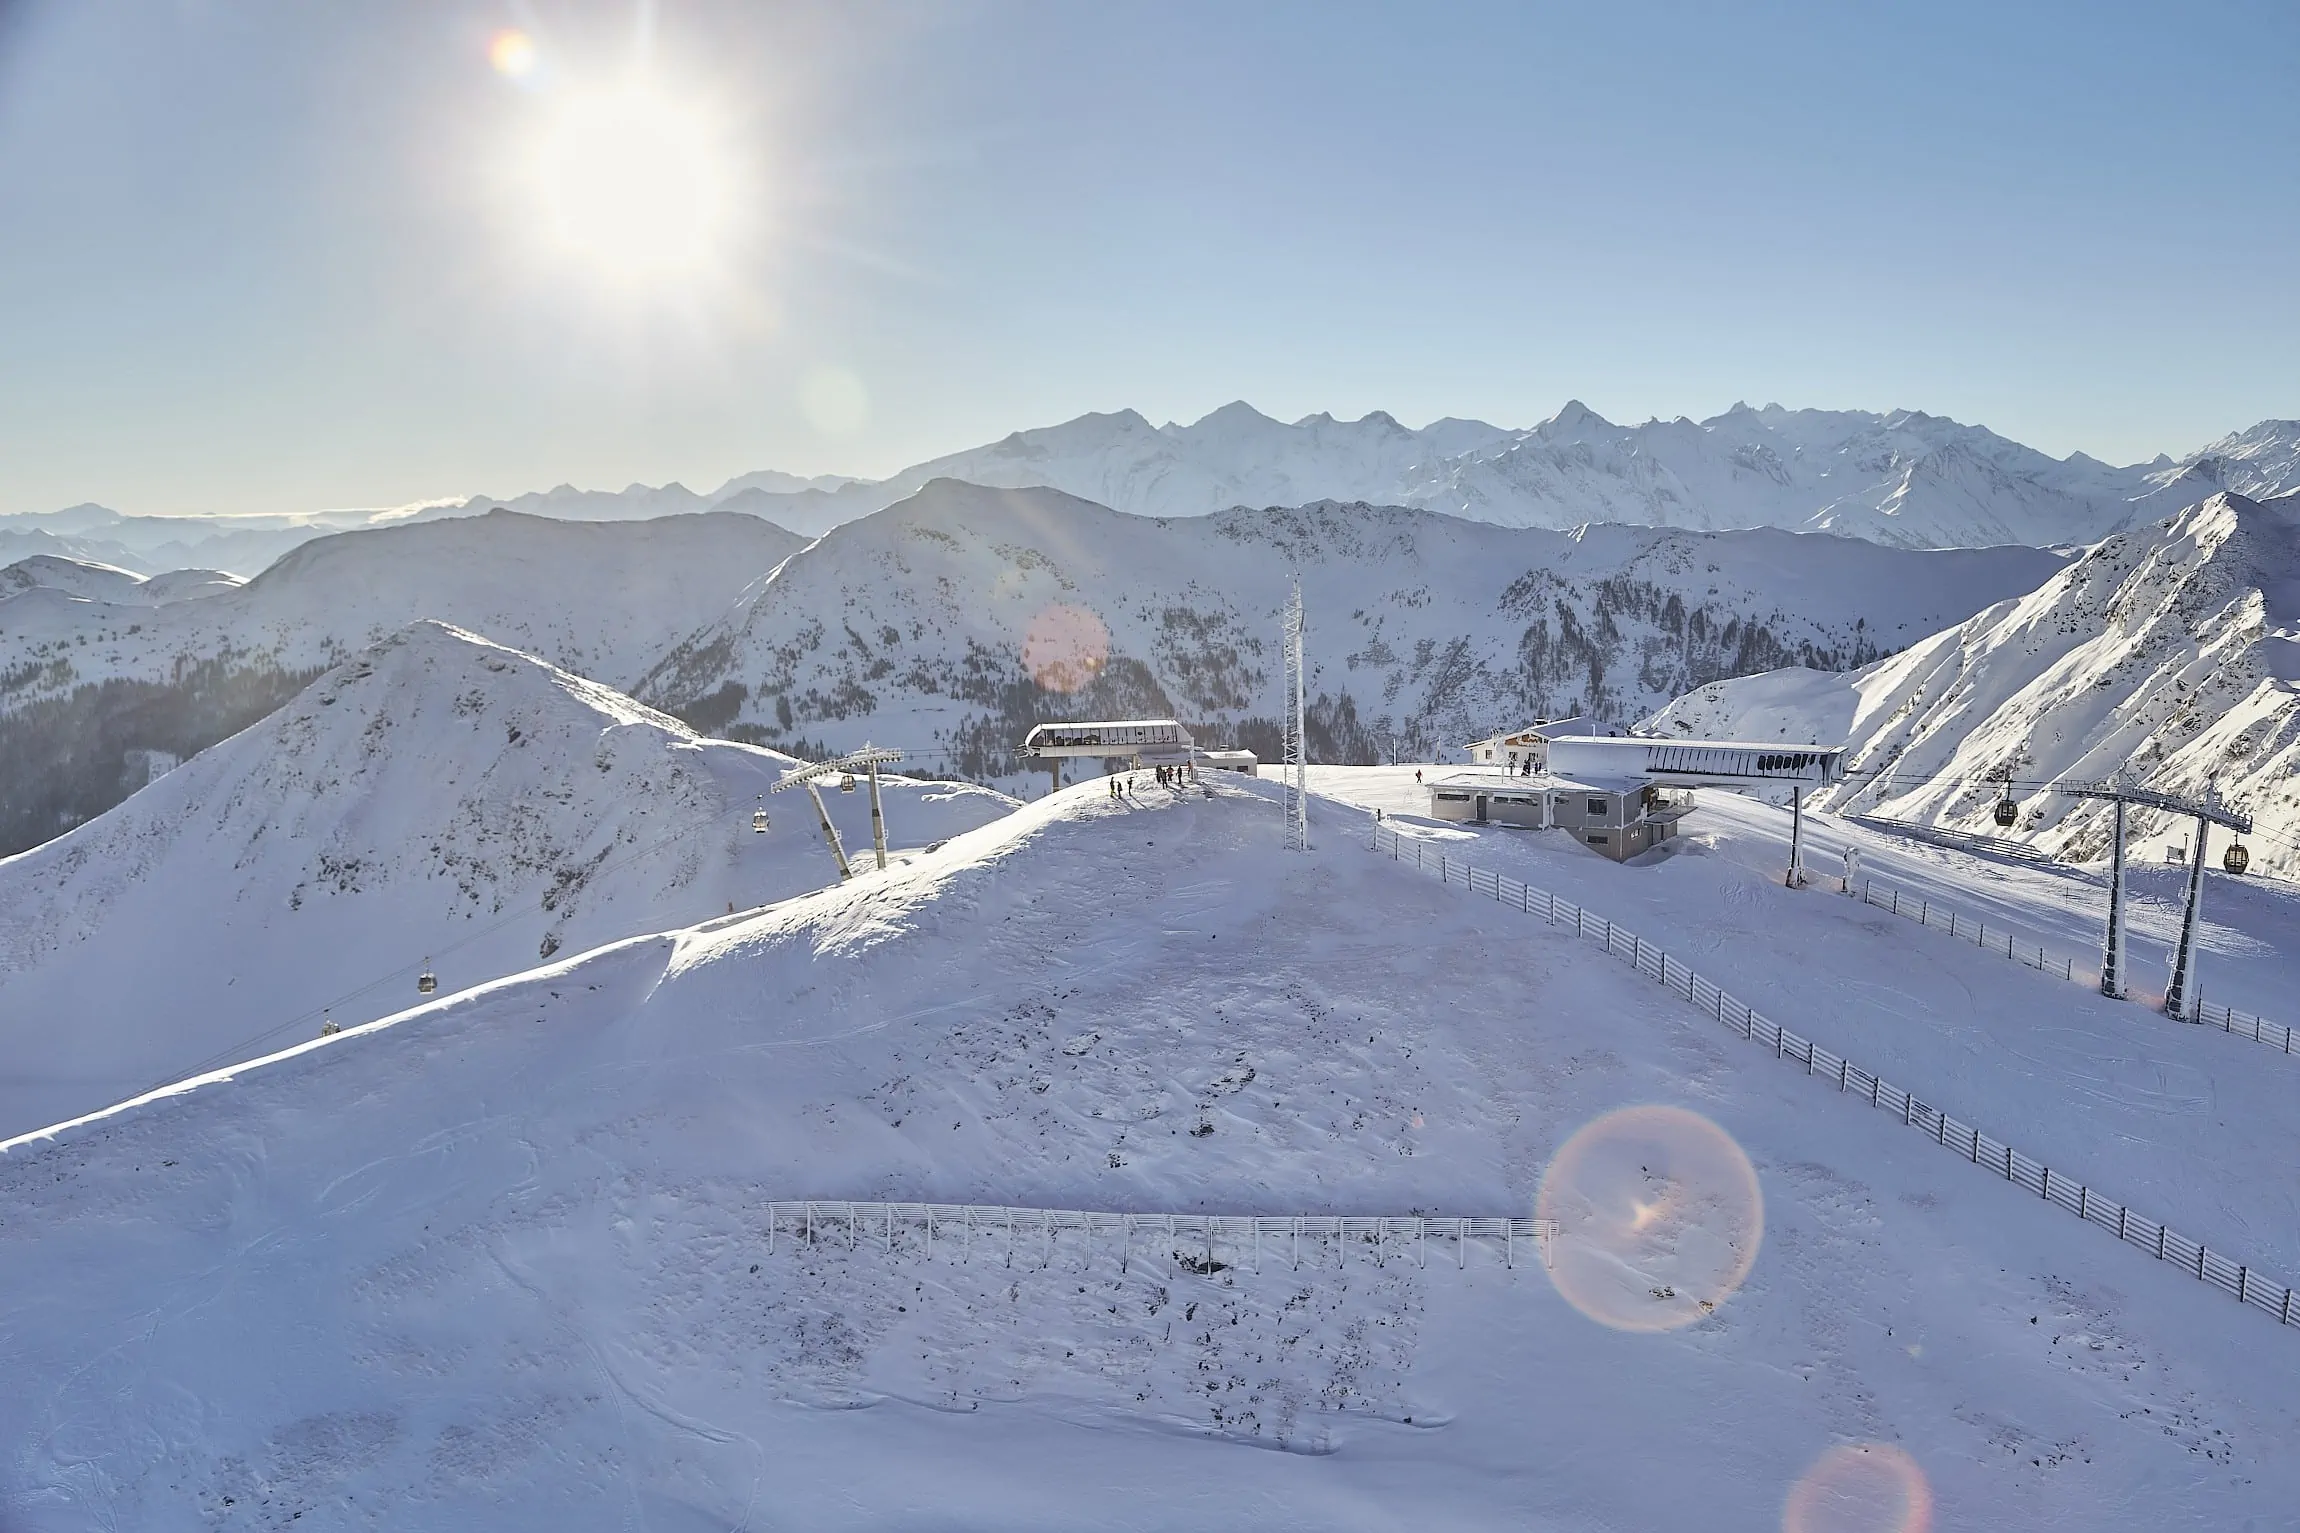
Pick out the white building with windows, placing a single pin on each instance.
(1620, 795)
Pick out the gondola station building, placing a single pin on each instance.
(1618, 795)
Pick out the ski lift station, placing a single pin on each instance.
(1617, 794)
(1137, 742)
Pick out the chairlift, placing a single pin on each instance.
(2236, 859)
(426, 982)
(847, 783)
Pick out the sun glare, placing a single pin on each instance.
(632, 183)
(512, 52)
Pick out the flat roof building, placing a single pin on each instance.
(1620, 795)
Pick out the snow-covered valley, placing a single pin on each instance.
(500, 1261)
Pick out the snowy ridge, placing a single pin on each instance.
(88, 688)
(1425, 629)
(438, 796)
(2172, 653)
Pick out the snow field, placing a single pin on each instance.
(489, 1263)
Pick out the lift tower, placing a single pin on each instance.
(2180, 997)
(1297, 763)
(866, 760)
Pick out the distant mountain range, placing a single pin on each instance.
(1899, 477)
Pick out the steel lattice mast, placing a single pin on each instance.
(1297, 760)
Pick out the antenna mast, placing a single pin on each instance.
(1297, 746)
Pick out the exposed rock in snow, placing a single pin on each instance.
(916, 625)
(2171, 652)
(437, 796)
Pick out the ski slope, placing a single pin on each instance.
(499, 1262)
(438, 798)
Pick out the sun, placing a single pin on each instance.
(631, 183)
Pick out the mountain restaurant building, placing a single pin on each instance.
(1622, 795)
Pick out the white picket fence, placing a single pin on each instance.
(2239, 1024)
(1200, 1243)
(2232, 1277)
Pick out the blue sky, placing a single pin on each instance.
(263, 256)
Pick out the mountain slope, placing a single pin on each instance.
(437, 795)
(2172, 652)
(502, 1263)
(83, 684)
(921, 624)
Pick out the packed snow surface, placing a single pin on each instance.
(2171, 654)
(437, 798)
(498, 1262)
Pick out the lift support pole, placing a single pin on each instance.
(2180, 995)
(2112, 956)
(1796, 879)
(877, 818)
(830, 832)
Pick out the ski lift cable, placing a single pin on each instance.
(224, 1055)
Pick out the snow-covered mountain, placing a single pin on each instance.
(437, 796)
(87, 685)
(954, 621)
(96, 582)
(505, 1262)
(2171, 652)
(1901, 477)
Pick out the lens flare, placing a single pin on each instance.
(1860, 1488)
(512, 52)
(1659, 1217)
(1065, 648)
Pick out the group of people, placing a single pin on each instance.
(1122, 783)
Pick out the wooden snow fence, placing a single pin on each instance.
(2237, 1279)
(1200, 1243)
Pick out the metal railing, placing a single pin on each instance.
(1200, 1243)
(2235, 1278)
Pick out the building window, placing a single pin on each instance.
(1597, 806)
(1600, 840)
